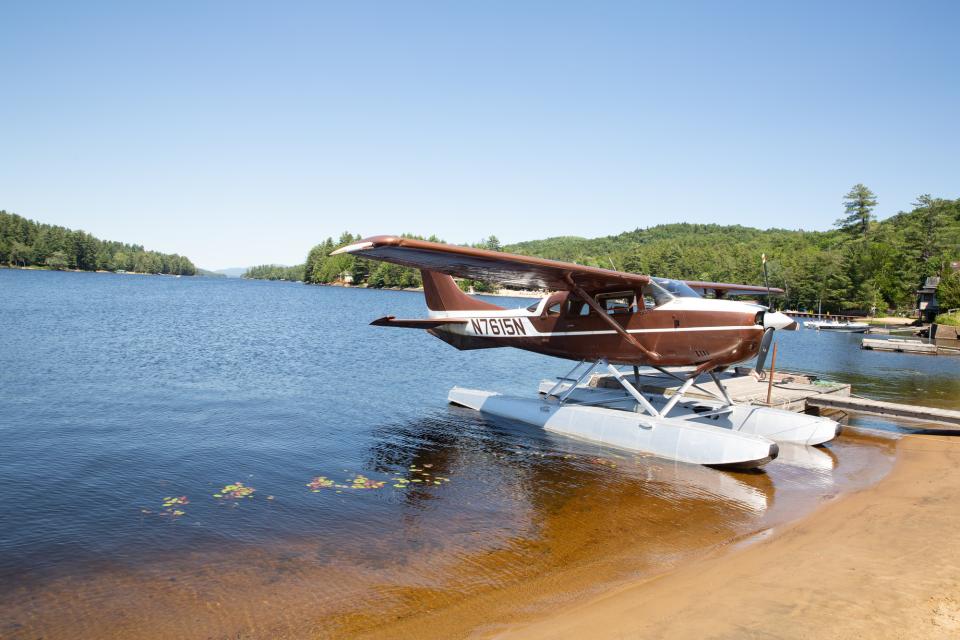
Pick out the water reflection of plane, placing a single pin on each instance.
(813, 458)
(444, 442)
(689, 480)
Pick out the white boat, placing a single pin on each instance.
(836, 325)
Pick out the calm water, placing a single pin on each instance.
(117, 392)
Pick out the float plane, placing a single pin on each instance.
(609, 319)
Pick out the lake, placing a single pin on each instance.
(129, 403)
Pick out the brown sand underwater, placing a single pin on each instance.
(583, 524)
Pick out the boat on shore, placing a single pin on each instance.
(836, 325)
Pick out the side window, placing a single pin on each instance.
(554, 309)
(618, 303)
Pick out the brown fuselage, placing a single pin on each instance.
(677, 337)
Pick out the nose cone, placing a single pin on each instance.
(777, 320)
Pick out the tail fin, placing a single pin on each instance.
(443, 294)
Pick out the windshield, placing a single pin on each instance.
(676, 288)
(655, 295)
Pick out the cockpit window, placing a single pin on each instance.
(655, 295)
(618, 303)
(676, 288)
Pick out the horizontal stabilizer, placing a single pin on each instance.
(425, 323)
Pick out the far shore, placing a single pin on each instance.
(119, 273)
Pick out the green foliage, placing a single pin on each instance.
(26, 242)
(862, 265)
(859, 204)
(275, 272)
(842, 269)
(948, 293)
(57, 260)
(322, 268)
(951, 319)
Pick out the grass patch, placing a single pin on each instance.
(951, 319)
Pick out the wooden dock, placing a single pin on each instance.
(790, 391)
(944, 418)
(797, 392)
(902, 345)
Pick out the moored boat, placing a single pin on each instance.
(835, 325)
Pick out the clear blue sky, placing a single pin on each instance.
(243, 133)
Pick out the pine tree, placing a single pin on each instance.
(859, 204)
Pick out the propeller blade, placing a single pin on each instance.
(764, 348)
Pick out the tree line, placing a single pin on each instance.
(27, 243)
(275, 272)
(861, 265)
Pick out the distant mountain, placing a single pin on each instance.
(232, 272)
(210, 274)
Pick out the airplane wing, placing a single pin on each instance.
(480, 264)
(723, 289)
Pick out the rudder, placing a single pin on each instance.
(443, 294)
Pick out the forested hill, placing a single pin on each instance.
(862, 264)
(275, 272)
(28, 243)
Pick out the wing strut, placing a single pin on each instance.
(652, 356)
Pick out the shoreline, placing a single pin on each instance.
(116, 273)
(879, 563)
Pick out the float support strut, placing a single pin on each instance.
(633, 391)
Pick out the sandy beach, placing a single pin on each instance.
(880, 563)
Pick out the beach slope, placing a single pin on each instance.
(880, 563)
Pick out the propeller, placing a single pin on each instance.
(772, 320)
(764, 348)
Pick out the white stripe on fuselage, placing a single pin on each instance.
(677, 304)
(515, 323)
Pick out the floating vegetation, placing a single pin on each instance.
(419, 475)
(320, 482)
(170, 507)
(236, 491)
(363, 482)
(358, 481)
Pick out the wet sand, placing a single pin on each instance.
(883, 562)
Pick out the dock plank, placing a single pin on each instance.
(946, 417)
(899, 345)
(790, 390)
